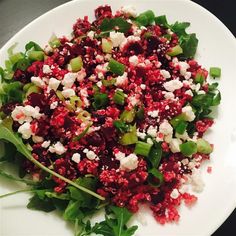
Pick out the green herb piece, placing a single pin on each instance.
(176, 50)
(188, 148)
(121, 126)
(106, 46)
(23, 64)
(36, 55)
(116, 67)
(181, 127)
(212, 87)
(54, 42)
(100, 100)
(215, 72)
(12, 91)
(189, 45)
(33, 45)
(76, 64)
(180, 27)
(7, 135)
(119, 97)
(216, 99)
(162, 21)
(177, 120)
(130, 137)
(128, 116)
(142, 148)
(146, 18)
(84, 132)
(155, 177)
(155, 155)
(119, 24)
(203, 146)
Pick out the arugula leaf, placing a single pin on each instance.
(189, 45)
(121, 126)
(12, 91)
(155, 177)
(180, 27)
(161, 20)
(32, 45)
(118, 24)
(155, 155)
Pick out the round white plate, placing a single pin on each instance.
(217, 47)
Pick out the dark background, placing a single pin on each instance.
(15, 14)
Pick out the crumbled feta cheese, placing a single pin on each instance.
(38, 81)
(185, 161)
(141, 135)
(174, 194)
(99, 84)
(196, 181)
(152, 131)
(69, 79)
(188, 112)
(117, 38)
(67, 93)
(187, 75)
(46, 144)
(153, 114)
(129, 163)
(119, 155)
(37, 139)
(149, 141)
(99, 58)
(91, 155)
(76, 157)
(129, 39)
(81, 75)
(47, 69)
(54, 105)
(143, 86)
(32, 111)
(201, 92)
(54, 84)
(91, 34)
(165, 74)
(183, 67)
(133, 100)
(133, 60)
(165, 128)
(129, 10)
(173, 85)
(189, 92)
(57, 148)
(169, 95)
(174, 145)
(121, 80)
(183, 136)
(169, 32)
(25, 130)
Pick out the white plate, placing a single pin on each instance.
(217, 47)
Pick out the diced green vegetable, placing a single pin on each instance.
(119, 97)
(178, 119)
(181, 127)
(23, 64)
(203, 146)
(128, 116)
(54, 42)
(155, 155)
(176, 50)
(106, 46)
(108, 83)
(199, 78)
(116, 67)
(215, 72)
(100, 100)
(129, 138)
(188, 148)
(76, 64)
(142, 148)
(121, 126)
(36, 55)
(32, 89)
(14, 58)
(146, 18)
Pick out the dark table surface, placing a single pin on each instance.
(15, 14)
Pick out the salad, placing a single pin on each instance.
(111, 117)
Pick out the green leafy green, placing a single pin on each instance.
(32, 45)
(161, 20)
(118, 24)
(155, 155)
(100, 100)
(155, 177)
(121, 126)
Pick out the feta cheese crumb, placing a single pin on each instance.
(76, 157)
(47, 69)
(152, 131)
(25, 130)
(129, 39)
(46, 144)
(129, 163)
(141, 135)
(165, 74)
(54, 84)
(129, 10)
(121, 80)
(174, 145)
(38, 81)
(119, 155)
(117, 38)
(174, 194)
(196, 181)
(153, 114)
(81, 75)
(133, 60)
(67, 93)
(149, 141)
(91, 155)
(91, 34)
(189, 92)
(169, 95)
(54, 105)
(165, 128)
(143, 86)
(99, 84)
(37, 139)
(173, 85)
(188, 112)
(69, 79)
(183, 67)
(57, 148)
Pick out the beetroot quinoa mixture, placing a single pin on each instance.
(120, 105)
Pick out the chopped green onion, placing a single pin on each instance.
(100, 100)
(155, 155)
(146, 18)
(181, 127)
(119, 97)
(116, 67)
(36, 55)
(106, 46)
(176, 50)
(177, 119)
(108, 83)
(128, 116)
(142, 148)
(188, 148)
(199, 78)
(76, 64)
(121, 126)
(83, 133)
(155, 177)
(129, 138)
(203, 146)
(75, 102)
(215, 72)
(54, 41)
